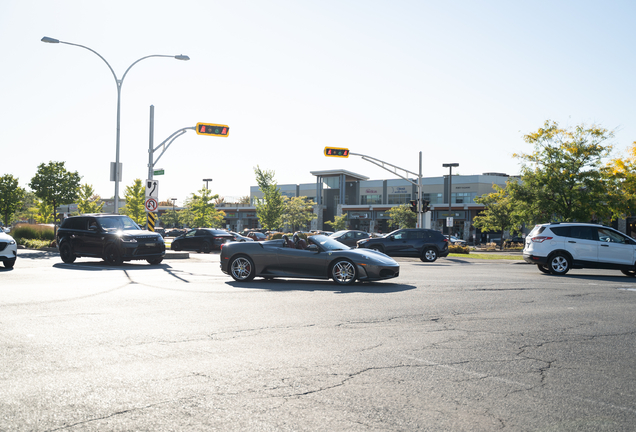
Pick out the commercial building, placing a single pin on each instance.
(367, 202)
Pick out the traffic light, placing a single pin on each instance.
(426, 206)
(336, 152)
(213, 129)
(413, 206)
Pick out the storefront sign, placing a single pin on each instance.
(359, 215)
(370, 191)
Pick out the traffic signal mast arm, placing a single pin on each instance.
(169, 141)
(383, 165)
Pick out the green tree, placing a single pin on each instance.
(269, 209)
(44, 212)
(11, 197)
(204, 213)
(620, 176)
(28, 209)
(88, 200)
(562, 179)
(298, 212)
(135, 206)
(339, 222)
(499, 213)
(54, 185)
(170, 218)
(402, 216)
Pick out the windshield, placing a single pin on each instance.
(328, 243)
(117, 223)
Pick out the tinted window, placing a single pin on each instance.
(561, 231)
(583, 232)
(608, 235)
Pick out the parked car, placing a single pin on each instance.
(456, 241)
(238, 237)
(558, 247)
(257, 236)
(323, 258)
(114, 238)
(8, 249)
(201, 240)
(426, 244)
(174, 232)
(350, 237)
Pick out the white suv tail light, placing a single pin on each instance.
(540, 239)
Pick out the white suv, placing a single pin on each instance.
(8, 249)
(558, 247)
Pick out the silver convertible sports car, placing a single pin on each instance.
(318, 258)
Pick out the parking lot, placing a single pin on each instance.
(458, 344)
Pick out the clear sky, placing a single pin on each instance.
(461, 81)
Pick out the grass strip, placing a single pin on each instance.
(487, 256)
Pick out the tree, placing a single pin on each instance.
(170, 218)
(54, 185)
(244, 200)
(45, 213)
(11, 197)
(204, 214)
(561, 180)
(499, 213)
(620, 175)
(339, 222)
(269, 209)
(88, 200)
(298, 212)
(135, 206)
(402, 216)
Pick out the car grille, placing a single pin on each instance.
(389, 273)
(3, 245)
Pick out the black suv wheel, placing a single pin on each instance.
(429, 255)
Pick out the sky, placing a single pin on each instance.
(460, 81)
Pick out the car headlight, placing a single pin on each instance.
(128, 240)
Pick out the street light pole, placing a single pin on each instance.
(174, 213)
(206, 182)
(450, 190)
(119, 83)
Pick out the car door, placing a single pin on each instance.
(397, 244)
(92, 238)
(581, 242)
(301, 262)
(615, 248)
(189, 241)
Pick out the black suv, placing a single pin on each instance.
(115, 238)
(426, 244)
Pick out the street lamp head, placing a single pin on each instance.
(447, 165)
(49, 40)
(182, 57)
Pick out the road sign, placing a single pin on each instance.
(159, 172)
(337, 152)
(152, 189)
(151, 204)
(151, 219)
(213, 129)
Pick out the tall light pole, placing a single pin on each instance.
(450, 190)
(174, 213)
(206, 182)
(119, 83)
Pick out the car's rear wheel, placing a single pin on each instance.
(113, 256)
(343, 272)
(559, 264)
(66, 253)
(429, 255)
(205, 247)
(242, 269)
(155, 261)
(543, 268)
(175, 246)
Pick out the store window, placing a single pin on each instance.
(464, 197)
(433, 198)
(371, 199)
(399, 198)
(332, 182)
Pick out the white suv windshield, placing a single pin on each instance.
(115, 223)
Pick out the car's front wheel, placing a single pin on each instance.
(630, 273)
(175, 246)
(112, 256)
(343, 272)
(559, 264)
(66, 253)
(154, 261)
(242, 269)
(9, 263)
(429, 255)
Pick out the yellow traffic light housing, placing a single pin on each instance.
(213, 129)
(337, 152)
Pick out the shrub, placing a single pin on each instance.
(458, 249)
(33, 232)
(34, 243)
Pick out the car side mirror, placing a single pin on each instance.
(391, 238)
(312, 248)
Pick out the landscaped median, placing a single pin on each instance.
(488, 254)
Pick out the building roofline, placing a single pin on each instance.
(350, 176)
